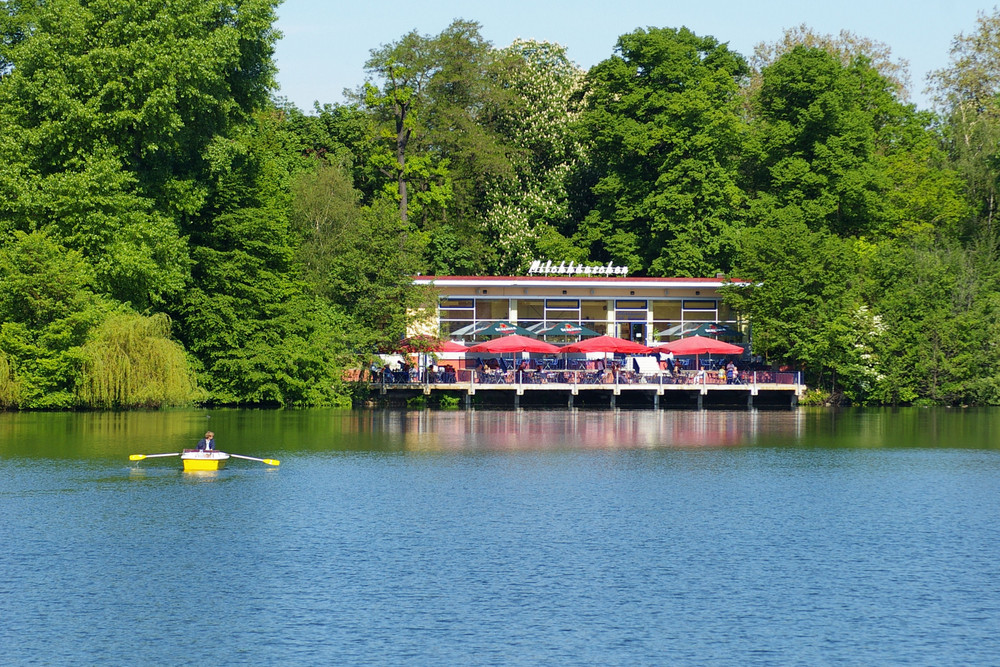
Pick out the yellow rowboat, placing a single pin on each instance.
(198, 460)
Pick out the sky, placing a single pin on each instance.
(326, 42)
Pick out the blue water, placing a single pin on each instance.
(554, 538)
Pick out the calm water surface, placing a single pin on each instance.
(503, 538)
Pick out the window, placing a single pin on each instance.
(562, 310)
(453, 304)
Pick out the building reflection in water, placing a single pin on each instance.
(523, 430)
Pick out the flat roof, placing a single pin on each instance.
(567, 281)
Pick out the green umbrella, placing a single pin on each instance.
(702, 329)
(565, 329)
(501, 328)
(716, 330)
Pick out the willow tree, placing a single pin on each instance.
(8, 387)
(130, 361)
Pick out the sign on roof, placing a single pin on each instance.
(573, 269)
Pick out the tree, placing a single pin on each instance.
(343, 135)
(130, 361)
(432, 105)
(835, 143)
(664, 134)
(110, 125)
(800, 288)
(817, 128)
(937, 304)
(527, 211)
(845, 47)
(353, 256)
(47, 308)
(406, 68)
(258, 333)
(62, 346)
(965, 93)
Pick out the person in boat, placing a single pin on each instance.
(208, 442)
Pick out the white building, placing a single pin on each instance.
(646, 310)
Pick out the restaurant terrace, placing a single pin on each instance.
(514, 339)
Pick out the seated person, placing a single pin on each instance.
(207, 443)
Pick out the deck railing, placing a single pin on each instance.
(568, 378)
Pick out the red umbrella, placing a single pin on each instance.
(699, 345)
(606, 344)
(429, 344)
(515, 343)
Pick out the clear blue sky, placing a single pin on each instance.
(326, 42)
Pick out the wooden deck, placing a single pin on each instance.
(516, 389)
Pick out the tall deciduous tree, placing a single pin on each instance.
(835, 143)
(664, 134)
(801, 290)
(817, 123)
(533, 111)
(353, 256)
(405, 68)
(937, 304)
(433, 96)
(966, 94)
(259, 334)
(845, 47)
(112, 107)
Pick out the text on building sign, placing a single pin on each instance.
(573, 269)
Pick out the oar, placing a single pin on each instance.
(270, 462)
(139, 457)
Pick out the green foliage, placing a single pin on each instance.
(938, 305)
(966, 94)
(136, 252)
(836, 145)
(130, 361)
(664, 135)
(418, 402)
(817, 134)
(42, 282)
(449, 254)
(256, 331)
(802, 296)
(845, 47)
(356, 257)
(342, 135)
(449, 401)
(119, 73)
(109, 123)
(46, 310)
(816, 397)
(8, 386)
(406, 68)
(143, 169)
(258, 336)
(533, 113)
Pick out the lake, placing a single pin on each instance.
(578, 537)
